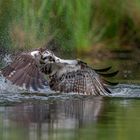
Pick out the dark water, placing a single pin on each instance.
(69, 117)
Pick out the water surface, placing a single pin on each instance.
(74, 118)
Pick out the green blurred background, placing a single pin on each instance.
(81, 25)
(100, 32)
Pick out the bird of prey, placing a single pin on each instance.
(75, 76)
(29, 70)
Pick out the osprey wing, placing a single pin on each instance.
(85, 81)
(24, 71)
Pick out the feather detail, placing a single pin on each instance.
(103, 69)
(111, 74)
(24, 71)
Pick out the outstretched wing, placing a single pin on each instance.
(24, 72)
(85, 81)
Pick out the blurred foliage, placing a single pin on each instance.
(73, 24)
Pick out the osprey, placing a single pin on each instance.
(29, 70)
(75, 76)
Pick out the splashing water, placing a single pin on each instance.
(13, 93)
(126, 90)
(10, 93)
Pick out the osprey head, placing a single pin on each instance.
(37, 53)
(49, 57)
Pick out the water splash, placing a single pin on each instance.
(11, 94)
(7, 59)
(126, 90)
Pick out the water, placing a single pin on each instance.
(41, 116)
(71, 119)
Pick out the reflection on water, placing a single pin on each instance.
(49, 120)
(87, 118)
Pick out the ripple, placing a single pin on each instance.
(126, 90)
(13, 94)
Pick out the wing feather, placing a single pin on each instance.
(82, 81)
(24, 71)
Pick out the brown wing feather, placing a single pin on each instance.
(24, 71)
(82, 81)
